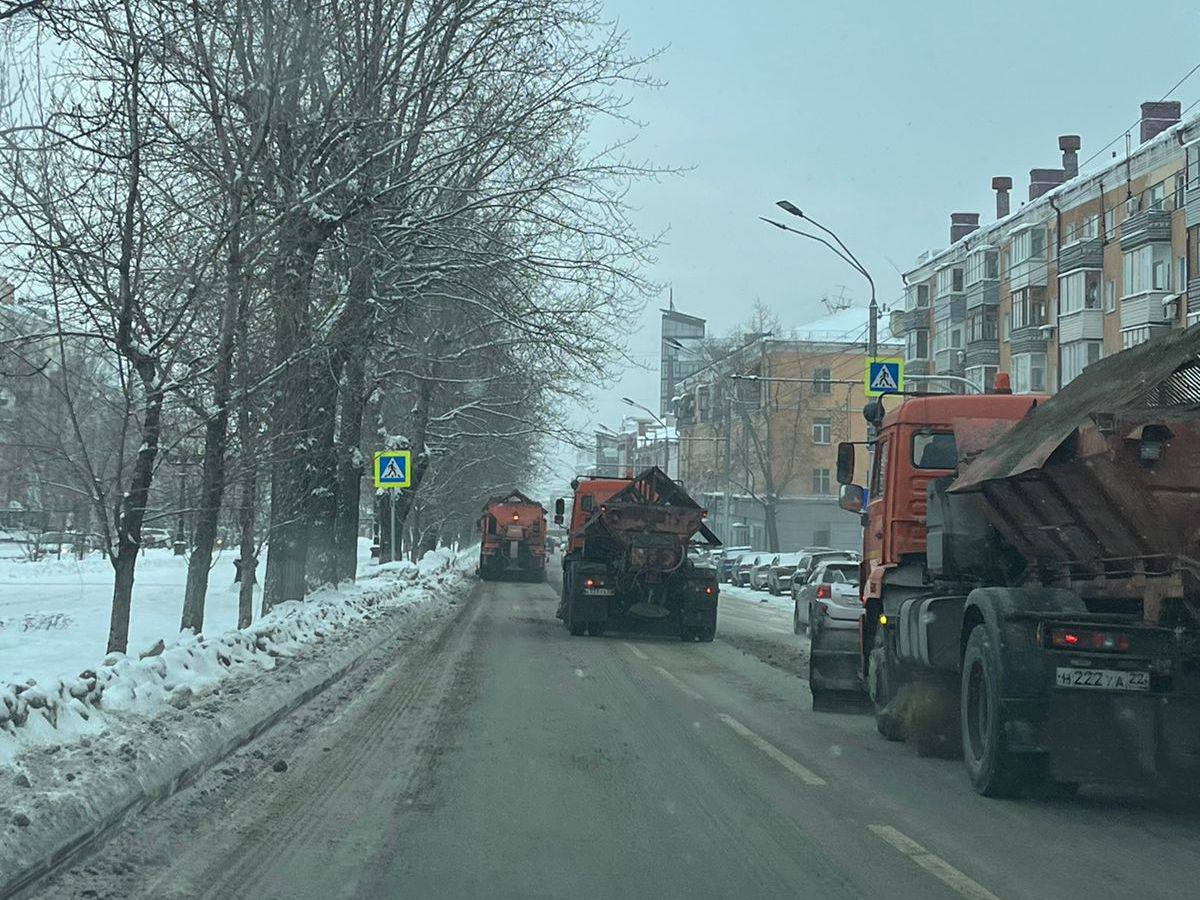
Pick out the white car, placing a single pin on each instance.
(832, 586)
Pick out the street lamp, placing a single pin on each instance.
(666, 436)
(845, 254)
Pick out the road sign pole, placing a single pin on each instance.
(392, 528)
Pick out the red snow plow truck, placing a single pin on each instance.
(513, 538)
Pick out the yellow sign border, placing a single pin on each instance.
(406, 455)
(899, 363)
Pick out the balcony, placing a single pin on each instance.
(1192, 205)
(982, 353)
(902, 321)
(1084, 325)
(1087, 254)
(916, 366)
(983, 293)
(1150, 226)
(948, 362)
(1030, 339)
(1027, 273)
(1146, 308)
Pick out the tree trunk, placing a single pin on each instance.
(350, 469)
(321, 502)
(291, 420)
(247, 513)
(132, 511)
(216, 429)
(771, 518)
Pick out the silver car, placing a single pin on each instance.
(833, 586)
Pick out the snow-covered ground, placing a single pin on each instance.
(54, 613)
(57, 684)
(783, 601)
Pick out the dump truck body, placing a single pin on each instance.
(512, 538)
(1032, 594)
(627, 564)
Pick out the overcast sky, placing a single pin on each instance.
(878, 118)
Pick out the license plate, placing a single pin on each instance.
(598, 592)
(1102, 679)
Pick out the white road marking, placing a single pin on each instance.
(932, 863)
(636, 652)
(679, 684)
(806, 775)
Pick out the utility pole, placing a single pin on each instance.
(726, 514)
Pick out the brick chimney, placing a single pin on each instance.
(1042, 180)
(1069, 144)
(1159, 115)
(962, 224)
(1001, 184)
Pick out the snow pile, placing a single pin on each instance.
(174, 671)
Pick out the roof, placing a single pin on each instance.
(1162, 374)
(1043, 203)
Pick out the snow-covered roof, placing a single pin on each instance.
(1042, 205)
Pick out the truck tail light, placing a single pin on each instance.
(709, 589)
(592, 582)
(823, 592)
(1083, 639)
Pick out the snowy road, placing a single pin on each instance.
(502, 758)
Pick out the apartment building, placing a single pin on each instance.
(1091, 264)
(758, 432)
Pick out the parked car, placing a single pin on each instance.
(729, 557)
(761, 570)
(834, 581)
(779, 578)
(64, 543)
(746, 562)
(156, 537)
(811, 556)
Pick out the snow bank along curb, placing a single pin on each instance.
(208, 725)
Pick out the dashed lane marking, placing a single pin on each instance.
(806, 775)
(679, 684)
(635, 651)
(932, 863)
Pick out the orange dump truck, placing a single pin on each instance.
(513, 538)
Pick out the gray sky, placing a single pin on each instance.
(878, 118)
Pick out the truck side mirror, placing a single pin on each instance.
(845, 463)
(851, 498)
(560, 508)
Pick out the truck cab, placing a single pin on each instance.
(918, 441)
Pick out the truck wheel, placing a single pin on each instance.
(994, 771)
(706, 633)
(574, 626)
(887, 696)
(796, 627)
(595, 629)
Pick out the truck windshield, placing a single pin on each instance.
(934, 451)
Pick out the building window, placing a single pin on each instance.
(984, 265)
(950, 281)
(983, 377)
(1147, 269)
(916, 296)
(820, 481)
(1110, 221)
(1029, 244)
(1028, 307)
(1078, 291)
(822, 381)
(917, 345)
(822, 430)
(1181, 274)
(822, 535)
(702, 405)
(1110, 296)
(1179, 181)
(1029, 373)
(1091, 226)
(1074, 357)
(1156, 195)
(981, 326)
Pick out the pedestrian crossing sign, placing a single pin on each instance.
(392, 469)
(884, 376)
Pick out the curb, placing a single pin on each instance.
(79, 824)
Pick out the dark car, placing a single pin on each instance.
(745, 565)
(729, 557)
(779, 579)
